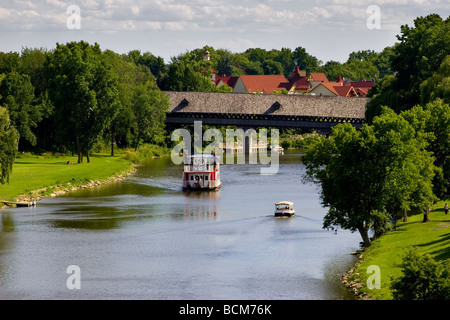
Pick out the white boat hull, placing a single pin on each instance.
(285, 213)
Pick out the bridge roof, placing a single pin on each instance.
(247, 103)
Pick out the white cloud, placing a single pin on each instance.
(238, 16)
(57, 3)
(327, 27)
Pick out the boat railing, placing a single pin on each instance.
(199, 168)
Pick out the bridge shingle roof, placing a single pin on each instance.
(263, 103)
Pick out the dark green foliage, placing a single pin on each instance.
(149, 105)
(433, 121)
(18, 95)
(83, 89)
(366, 176)
(415, 60)
(423, 278)
(9, 138)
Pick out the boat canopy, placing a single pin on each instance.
(287, 203)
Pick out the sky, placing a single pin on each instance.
(327, 29)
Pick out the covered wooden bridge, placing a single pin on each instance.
(264, 110)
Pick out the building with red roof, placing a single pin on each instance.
(317, 77)
(362, 87)
(315, 83)
(229, 81)
(260, 83)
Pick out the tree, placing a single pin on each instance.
(9, 62)
(364, 64)
(417, 56)
(438, 85)
(285, 56)
(224, 64)
(272, 67)
(364, 175)
(358, 70)
(305, 61)
(83, 89)
(18, 97)
(363, 55)
(242, 64)
(189, 73)
(9, 139)
(423, 278)
(333, 70)
(383, 62)
(32, 64)
(149, 105)
(120, 129)
(433, 121)
(155, 64)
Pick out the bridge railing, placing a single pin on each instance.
(264, 118)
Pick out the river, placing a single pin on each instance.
(143, 238)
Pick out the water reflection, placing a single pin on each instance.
(201, 204)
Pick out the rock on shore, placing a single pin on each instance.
(352, 281)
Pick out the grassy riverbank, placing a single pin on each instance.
(387, 252)
(42, 176)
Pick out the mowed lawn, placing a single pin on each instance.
(387, 252)
(36, 172)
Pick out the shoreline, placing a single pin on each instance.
(354, 285)
(59, 190)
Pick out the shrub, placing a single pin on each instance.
(423, 278)
(146, 151)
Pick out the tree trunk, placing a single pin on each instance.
(80, 154)
(138, 139)
(112, 144)
(87, 157)
(425, 215)
(405, 215)
(364, 232)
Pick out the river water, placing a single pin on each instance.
(143, 238)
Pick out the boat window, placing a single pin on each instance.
(192, 177)
(206, 177)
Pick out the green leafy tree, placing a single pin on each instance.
(363, 55)
(438, 85)
(423, 278)
(305, 61)
(83, 90)
(357, 70)
(32, 64)
(149, 105)
(122, 126)
(156, 65)
(224, 64)
(333, 70)
(365, 174)
(9, 139)
(383, 61)
(18, 97)
(10, 62)
(433, 121)
(272, 67)
(246, 66)
(285, 56)
(189, 72)
(418, 55)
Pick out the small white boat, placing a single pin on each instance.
(276, 148)
(201, 172)
(284, 209)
